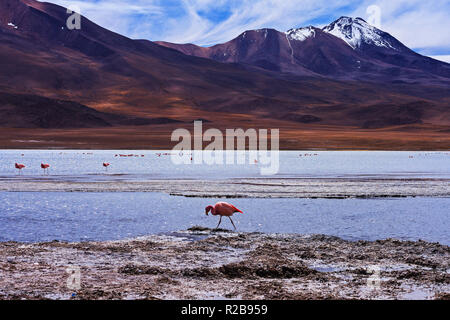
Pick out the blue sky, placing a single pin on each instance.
(422, 25)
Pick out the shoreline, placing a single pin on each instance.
(314, 188)
(204, 264)
(169, 148)
(312, 137)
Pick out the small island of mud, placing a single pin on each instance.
(205, 264)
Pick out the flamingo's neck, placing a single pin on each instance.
(212, 209)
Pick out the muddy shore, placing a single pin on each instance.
(206, 264)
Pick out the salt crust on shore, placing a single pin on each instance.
(205, 264)
(248, 188)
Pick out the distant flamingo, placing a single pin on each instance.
(106, 165)
(222, 209)
(45, 167)
(19, 167)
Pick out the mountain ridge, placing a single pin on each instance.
(375, 54)
(158, 86)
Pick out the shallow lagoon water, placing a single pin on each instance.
(87, 165)
(36, 217)
(40, 216)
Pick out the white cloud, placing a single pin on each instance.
(445, 58)
(182, 21)
(418, 24)
(117, 15)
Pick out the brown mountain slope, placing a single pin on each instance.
(31, 111)
(140, 82)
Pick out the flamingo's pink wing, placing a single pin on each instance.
(237, 210)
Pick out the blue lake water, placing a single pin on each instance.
(87, 165)
(31, 217)
(110, 216)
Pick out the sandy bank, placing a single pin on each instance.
(247, 188)
(202, 264)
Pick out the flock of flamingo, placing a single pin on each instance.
(309, 155)
(222, 209)
(45, 167)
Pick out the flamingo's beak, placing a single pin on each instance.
(206, 212)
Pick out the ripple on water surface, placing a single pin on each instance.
(31, 216)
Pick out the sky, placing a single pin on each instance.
(421, 25)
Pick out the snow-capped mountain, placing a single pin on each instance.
(348, 48)
(55, 78)
(357, 32)
(301, 34)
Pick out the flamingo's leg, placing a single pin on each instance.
(232, 223)
(220, 221)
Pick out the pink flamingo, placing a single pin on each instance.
(222, 209)
(45, 167)
(106, 165)
(19, 167)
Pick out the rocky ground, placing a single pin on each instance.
(205, 264)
